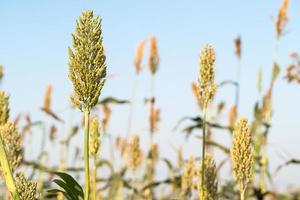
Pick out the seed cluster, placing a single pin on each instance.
(87, 68)
(210, 179)
(242, 154)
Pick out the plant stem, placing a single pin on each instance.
(238, 80)
(7, 173)
(203, 153)
(86, 154)
(94, 186)
(242, 193)
(131, 107)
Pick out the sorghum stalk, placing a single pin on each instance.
(94, 186)
(203, 154)
(94, 149)
(153, 66)
(206, 91)
(7, 173)
(131, 107)
(86, 154)
(138, 67)
(87, 71)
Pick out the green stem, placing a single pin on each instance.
(238, 77)
(131, 107)
(86, 154)
(203, 153)
(94, 188)
(7, 173)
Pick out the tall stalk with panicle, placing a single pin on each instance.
(87, 71)
(280, 25)
(233, 115)
(153, 66)
(138, 67)
(206, 90)
(10, 149)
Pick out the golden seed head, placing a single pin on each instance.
(221, 107)
(25, 188)
(53, 132)
(293, 69)
(242, 154)
(232, 116)
(1, 72)
(196, 92)
(238, 47)
(4, 109)
(153, 55)
(179, 157)
(282, 19)
(12, 144)
(135, 153)
(207, 61)
(139, 56)
(47, 98)
(94, 137)
(187, 182)
(210, 179)
(154, 118)
(122, 145)
(206, 78)
(154, 153)
(87, 68)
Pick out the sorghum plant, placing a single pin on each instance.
(87, 71)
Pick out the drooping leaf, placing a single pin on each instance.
(68, 187)
(113, 100)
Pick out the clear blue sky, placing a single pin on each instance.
(34, 37)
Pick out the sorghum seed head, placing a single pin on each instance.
(153, 55)
(94, 137)
(139, 56)
(1, 72)
(25, 188)
(12, 144)
(47, 98)
(238, 47)
(207, 61)
(154, 118)
(135, 153)
(282, 19)
(4, 109)
(206, 77)
(154, 153)
(87, 68)
(187, 182)
(210, 186)
(232, 116)
(242, 153)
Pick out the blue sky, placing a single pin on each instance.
(34, 37)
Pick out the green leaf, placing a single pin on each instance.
(275, 72)
(69, 187)
(113, 100)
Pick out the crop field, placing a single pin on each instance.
(149, 100)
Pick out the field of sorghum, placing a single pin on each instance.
(135, 173)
